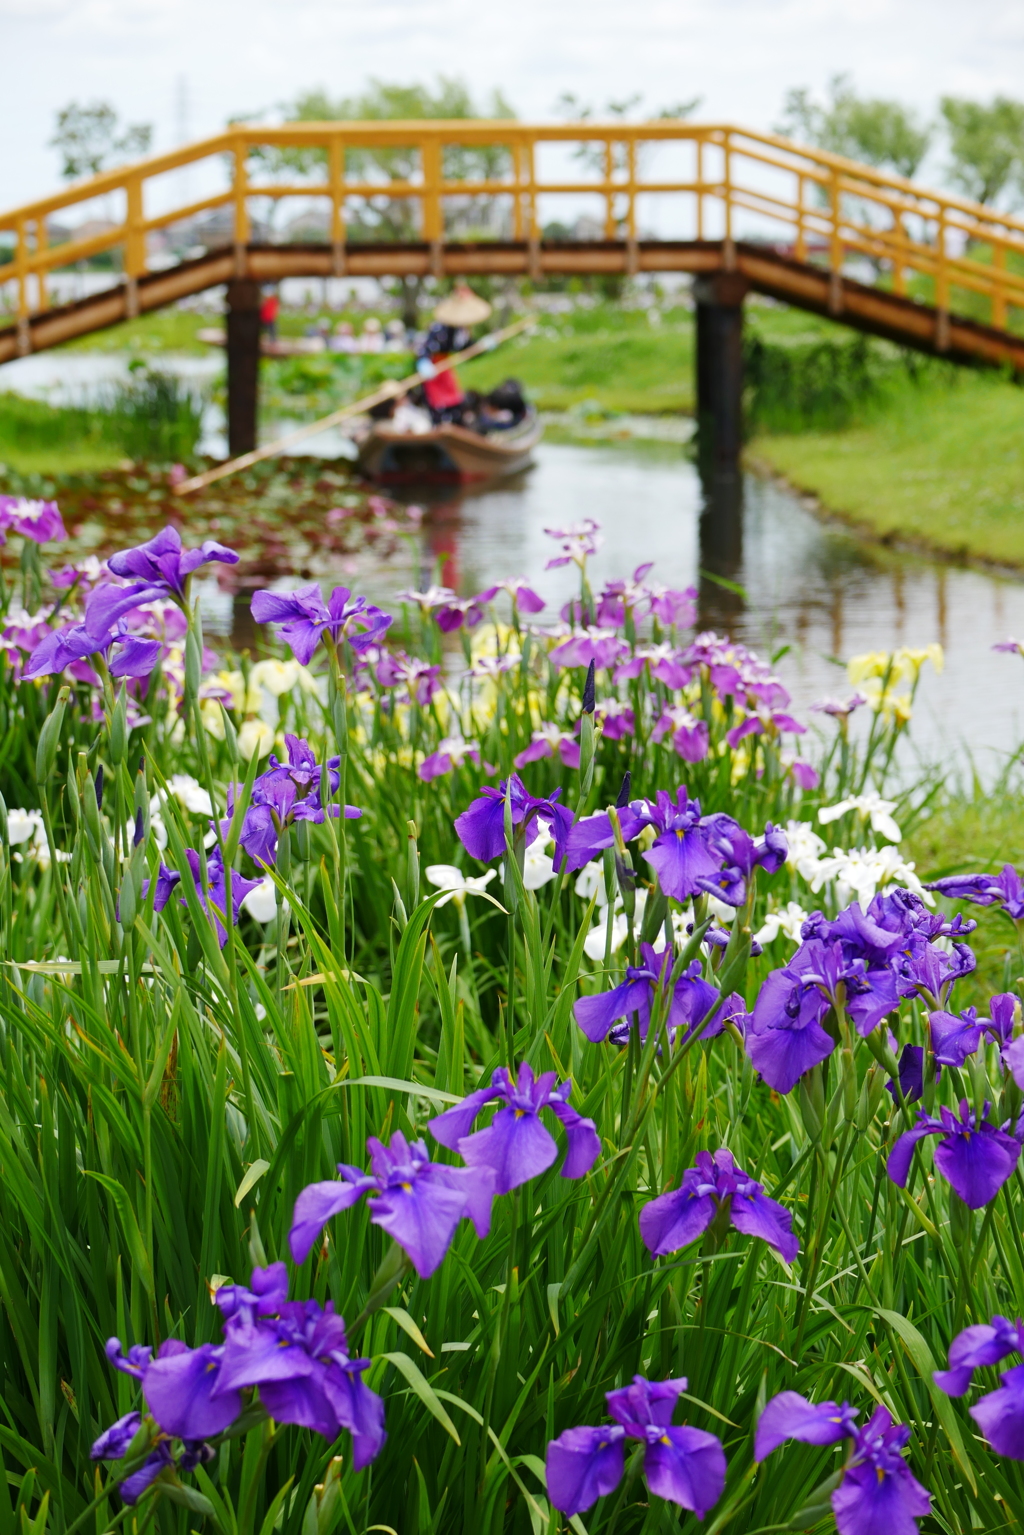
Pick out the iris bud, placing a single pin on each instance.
(119, 728)
(193, 665)
(49, 737)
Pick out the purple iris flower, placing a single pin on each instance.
(288, 792)
(114, 1441)
(683, 1465)
(674, 607)
(999, 1414)
(786, 1037)
(181, 1386)
(304, 618)
(38, 520)
(680, 854)
(957, 1036)
(714, 1186)
(740, 856)
(974, 1156)
(417, 1202)
(1004, 889)
(132, 1488)
(296, 1352)
(691, 999)
(877, 1490)
(516, 1146)
(481, 826)
(689, 735)
(456, 611)
(163, 562)
(603, 647)
(212, 895)
(74, 642)
(976, 1347)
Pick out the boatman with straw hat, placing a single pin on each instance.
(449, 333)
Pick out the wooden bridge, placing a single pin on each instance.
(738, 210)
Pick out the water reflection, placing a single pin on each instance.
(814, 587)
(720, 602)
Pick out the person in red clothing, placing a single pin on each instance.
(449, 333)
(268, 315)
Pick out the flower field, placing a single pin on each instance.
(466, 1072)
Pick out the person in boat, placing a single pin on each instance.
(449, 333)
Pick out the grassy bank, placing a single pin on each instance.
(941, 464)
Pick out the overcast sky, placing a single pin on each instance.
(223, 57)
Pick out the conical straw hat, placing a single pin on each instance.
(462, 307)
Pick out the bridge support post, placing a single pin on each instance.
(243, 345)
(719, 360)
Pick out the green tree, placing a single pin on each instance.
(386, 216)
(986, 146)
(90, 139)
(872, 129)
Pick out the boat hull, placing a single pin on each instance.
(447, 454)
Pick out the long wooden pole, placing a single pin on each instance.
(387, 391)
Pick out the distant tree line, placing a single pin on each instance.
(982, 142)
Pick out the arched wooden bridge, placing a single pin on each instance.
(739, 210)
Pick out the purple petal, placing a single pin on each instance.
(106, 604)
(422, 1219)
(134, 657)
(791, 1416)
(1000, 1415)
(132, 1488)
(595, 1015)
(1013, 1056)
(955, 1038)
(180, 1392)
(902, 1153)
(674, 1220)
(360, 1410)
(315, 1206)
(758, 1216)
(977, 1163)
(306, 602)
(582, 1465)
(455, 1123)
(870, 1500)
(113, 1442)
(782, 1055)
(481, 827)
(584, 1141)
(515, 1144)
(681, 859)
(686, 1466)
(975, 1347)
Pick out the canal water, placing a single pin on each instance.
(795, 581)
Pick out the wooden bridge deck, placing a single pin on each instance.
(799, 224)
(763, 270)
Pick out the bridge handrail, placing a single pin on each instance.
(835, 200)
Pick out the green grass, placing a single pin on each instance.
(147, 416)
(942, 465)
(614, 357)
(37, 438)
(166, 330)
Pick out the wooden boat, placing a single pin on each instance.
(446, 453)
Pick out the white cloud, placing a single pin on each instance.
(244, 55)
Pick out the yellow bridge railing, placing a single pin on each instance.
(734, 184)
